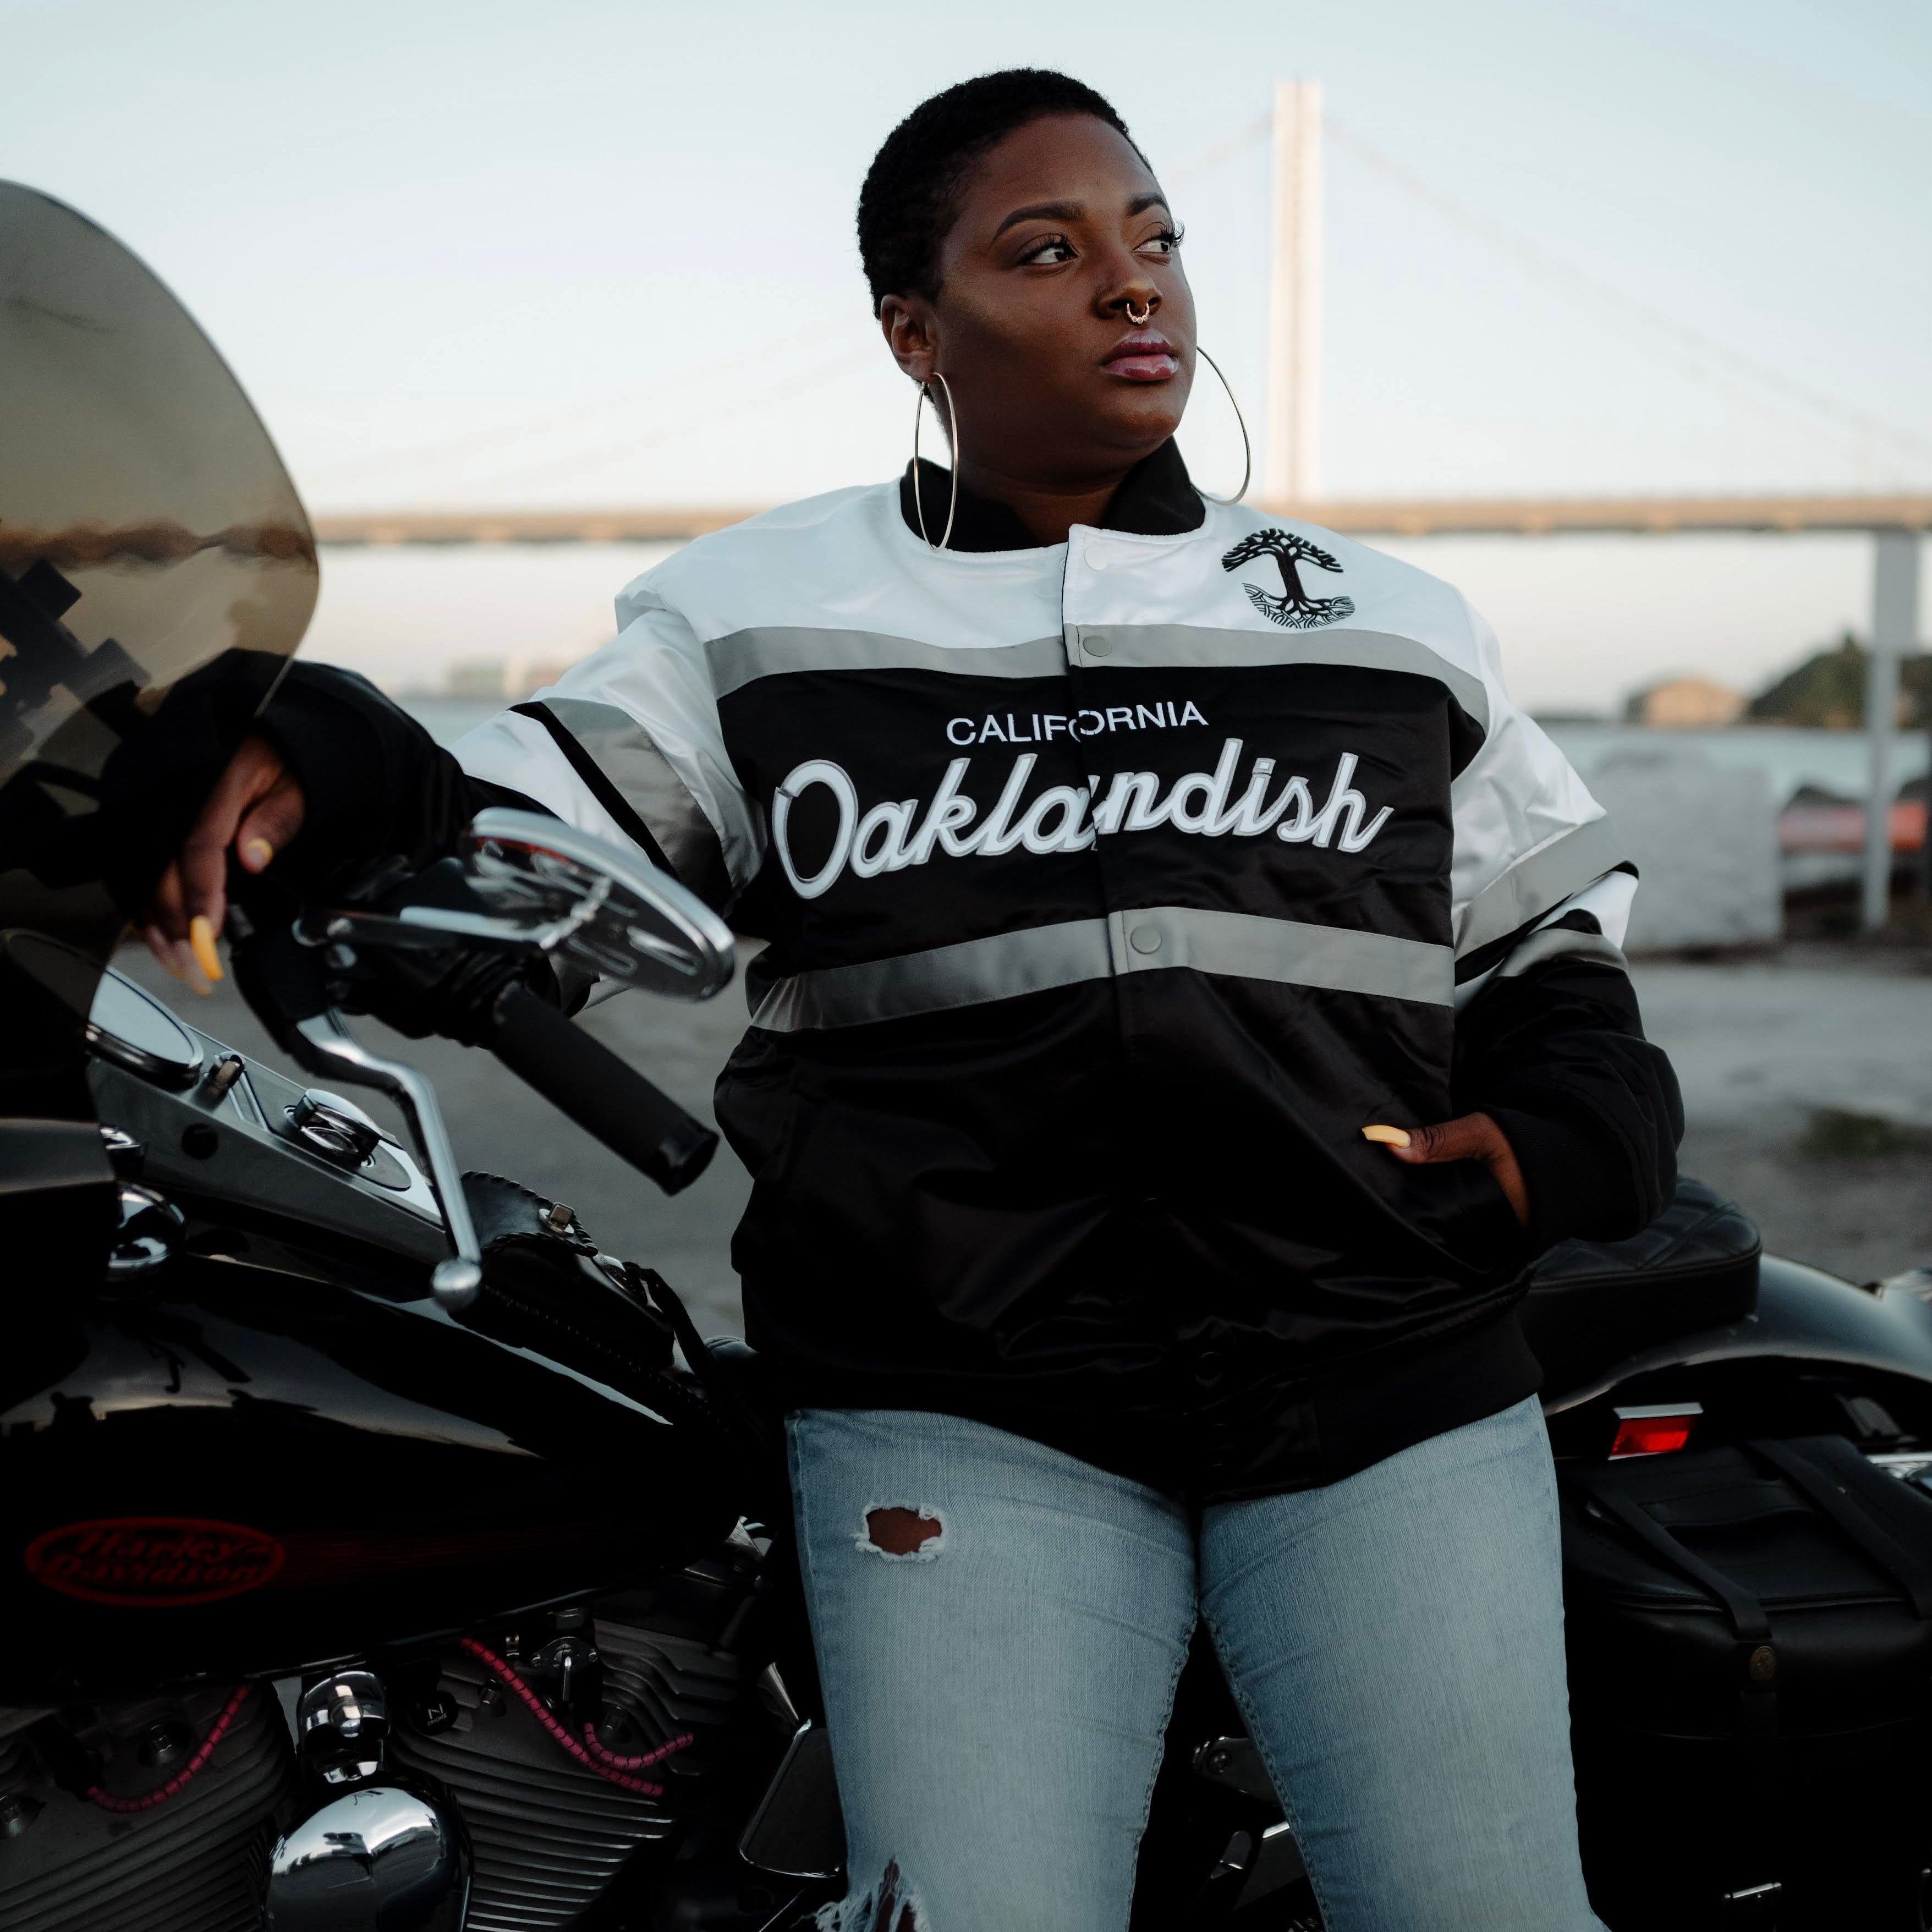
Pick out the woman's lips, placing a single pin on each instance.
(1142, 357)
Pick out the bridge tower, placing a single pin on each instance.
(1292, 447)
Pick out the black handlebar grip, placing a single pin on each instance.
(587, 1082)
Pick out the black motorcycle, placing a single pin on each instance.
(368, 1558)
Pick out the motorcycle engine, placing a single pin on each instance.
(92, 1836)
(550, 1837)
(160, 1814)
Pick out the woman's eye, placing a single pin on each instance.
(1162, 245)
(1055, 249)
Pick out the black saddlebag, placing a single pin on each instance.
(1749, 1632)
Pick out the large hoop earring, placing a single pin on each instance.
(1247, 449)
(918, 494)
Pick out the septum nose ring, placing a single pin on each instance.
(1140, 317)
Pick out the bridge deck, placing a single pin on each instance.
(1393, 517)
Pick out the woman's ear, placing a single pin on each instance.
(908, 324)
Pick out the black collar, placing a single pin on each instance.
(1156, 499)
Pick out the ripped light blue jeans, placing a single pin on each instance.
(997, 1698)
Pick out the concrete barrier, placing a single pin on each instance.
(1704, 837)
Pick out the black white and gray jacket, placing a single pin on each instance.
(1111, 888)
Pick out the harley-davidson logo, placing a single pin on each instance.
(152, 1562)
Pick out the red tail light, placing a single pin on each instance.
(1655, 1429)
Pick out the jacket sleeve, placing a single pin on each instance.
(1550, 1041)
(627, 746)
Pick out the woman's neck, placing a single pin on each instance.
(1049, 511)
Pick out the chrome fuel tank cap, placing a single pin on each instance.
(337, 1129)
(344, 1136)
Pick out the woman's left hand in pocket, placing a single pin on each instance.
(1470, 1137)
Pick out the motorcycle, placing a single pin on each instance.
(371, 1560)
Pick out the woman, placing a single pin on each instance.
(1193, 994)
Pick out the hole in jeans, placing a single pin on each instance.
(898, 1530)
(890, 1908)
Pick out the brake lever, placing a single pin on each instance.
(426, 928)
(451, 913)
(325, 1045)
(285, 981)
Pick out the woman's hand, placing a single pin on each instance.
(254, 811)
(1471, 1137)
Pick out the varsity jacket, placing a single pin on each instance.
(1110, 888)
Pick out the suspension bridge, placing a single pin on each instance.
(1299, 136)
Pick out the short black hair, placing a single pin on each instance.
(909, 200)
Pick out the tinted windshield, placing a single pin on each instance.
(157, 568)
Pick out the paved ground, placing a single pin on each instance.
(1758, 1047)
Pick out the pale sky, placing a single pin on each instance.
(596, 254)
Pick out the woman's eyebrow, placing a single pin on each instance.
(1042, 210)
(1071, 211)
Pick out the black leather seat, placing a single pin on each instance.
(1592, 1304)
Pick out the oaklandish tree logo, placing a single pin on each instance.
(1295, 609)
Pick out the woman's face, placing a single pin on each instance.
(1061, 230)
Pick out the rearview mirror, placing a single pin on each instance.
(581, 898)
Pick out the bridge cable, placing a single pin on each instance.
(1847, 419)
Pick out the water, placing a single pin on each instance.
(1789, 756)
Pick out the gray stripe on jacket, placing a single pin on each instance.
(1004, 965)
(1539, 883)
(624, 752)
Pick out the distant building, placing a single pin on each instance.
(511, 679)
(523, 677)
(1686, 703)
(475, 677)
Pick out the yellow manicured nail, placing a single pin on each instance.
(1388, 1136)
(201, 937)
(163, 948)
(188, 969)
(259, 851)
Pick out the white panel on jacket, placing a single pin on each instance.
(847, 562)
(1516, 800)
(1608, 902)
(654, 670)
